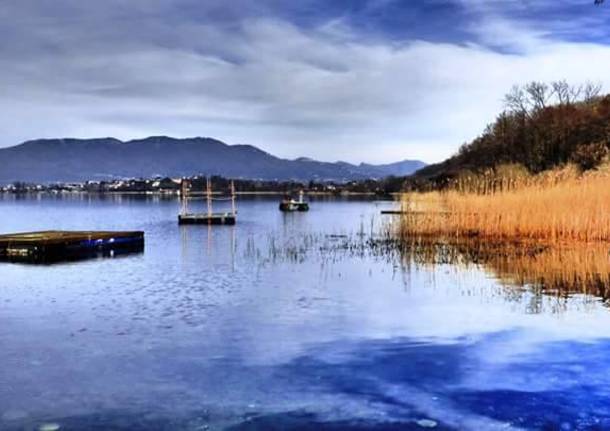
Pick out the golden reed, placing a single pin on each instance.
(559, 206)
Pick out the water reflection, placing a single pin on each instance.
(313, 322)
(542, 278)
(398, 384)
(559, 270)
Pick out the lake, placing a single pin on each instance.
(290, 321)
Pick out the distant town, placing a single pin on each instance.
(171, 186)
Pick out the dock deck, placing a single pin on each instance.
(53, 246)
(210, 219)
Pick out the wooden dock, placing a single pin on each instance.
(53, 246)
(204, 218)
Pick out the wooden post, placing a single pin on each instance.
(209, 196)
(233, 198)
(184, 196)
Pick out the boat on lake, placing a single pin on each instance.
(290, 205)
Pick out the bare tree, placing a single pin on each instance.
(575, 91)
(567, 94)
(516, 100)
(591, 91)
(535, 96)
(538, 94)
(562, 91)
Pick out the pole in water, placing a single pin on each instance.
(209, 196)
(233, 198)
(184, 195)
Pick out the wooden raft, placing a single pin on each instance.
(51, 246)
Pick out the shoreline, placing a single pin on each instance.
(177, 194)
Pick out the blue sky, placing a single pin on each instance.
(362, 80)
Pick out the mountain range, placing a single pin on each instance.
(65, 160)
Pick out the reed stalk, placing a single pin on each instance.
(556, 206)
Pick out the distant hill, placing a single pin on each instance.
(55, 160)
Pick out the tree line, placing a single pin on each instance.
(543, 125)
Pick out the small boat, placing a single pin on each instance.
(289, 205)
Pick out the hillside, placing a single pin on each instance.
(53, 160)
(543, 128)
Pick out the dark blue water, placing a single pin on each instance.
(282, 323)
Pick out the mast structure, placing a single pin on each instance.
(209, 195)
(184, 196)
(208, 217)
(233, 198)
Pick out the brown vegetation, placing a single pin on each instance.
(541, 171)
(543, 127)
(560, 205)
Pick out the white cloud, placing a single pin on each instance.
(320, 93)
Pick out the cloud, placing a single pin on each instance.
(251, 75)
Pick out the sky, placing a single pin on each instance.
(361, 81)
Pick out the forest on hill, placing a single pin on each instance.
(543, 127)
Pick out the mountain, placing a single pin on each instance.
(55, 160)
(397, 169)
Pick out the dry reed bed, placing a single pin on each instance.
(573, 209)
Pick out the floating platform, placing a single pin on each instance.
(209, 219)
(54, 246)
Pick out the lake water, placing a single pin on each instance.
(286, 321)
